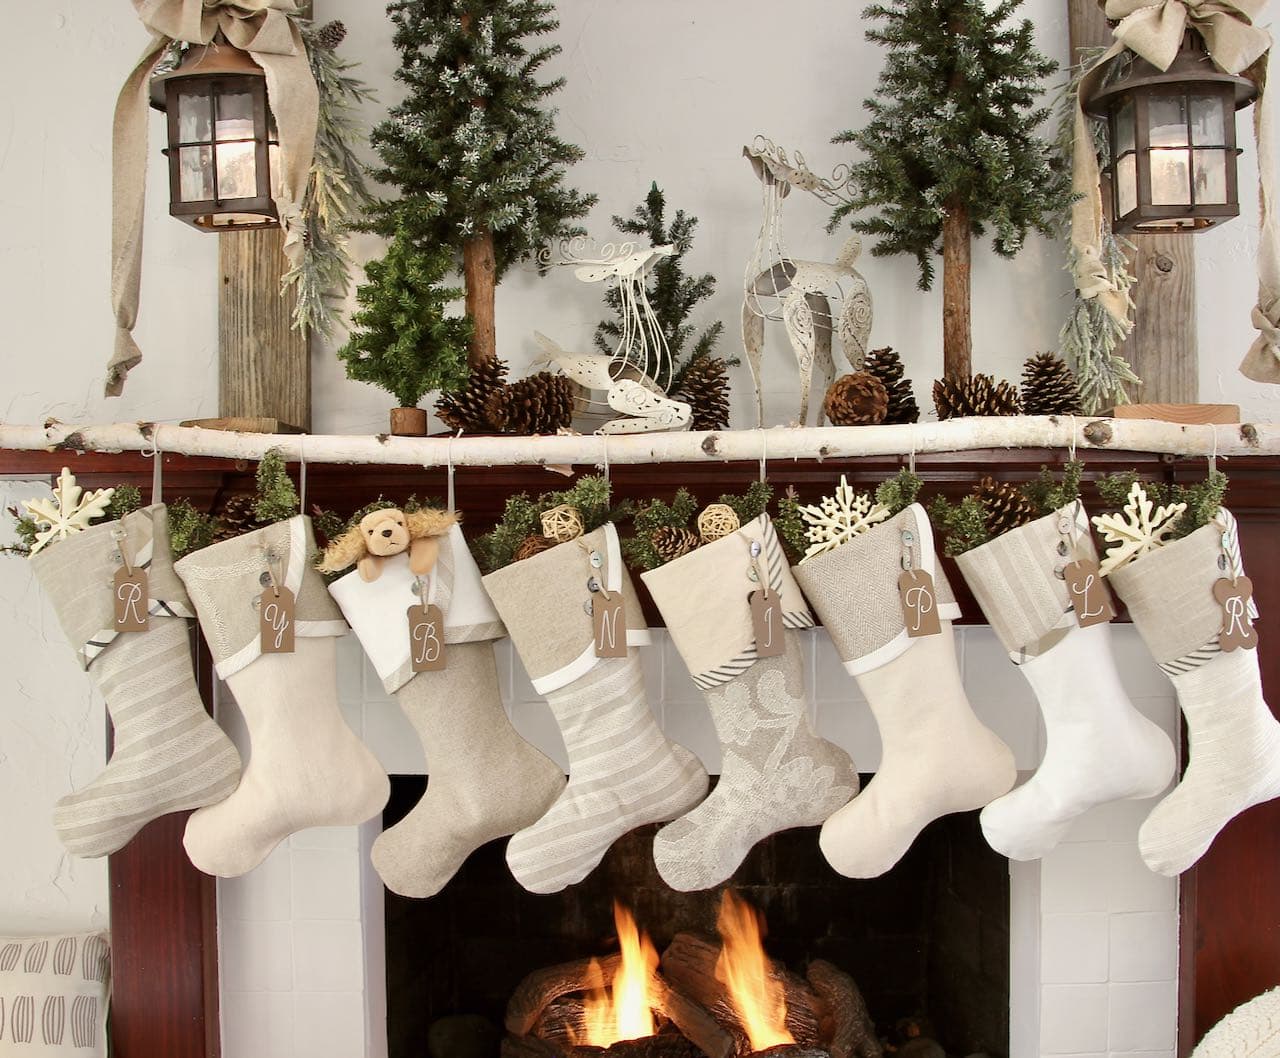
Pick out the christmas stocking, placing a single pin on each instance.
(776, 773)
(623, 773)
(937, 756)
(486, 781)
(1099, 748)
(307, 768)
(169, 754)
(1233, 741)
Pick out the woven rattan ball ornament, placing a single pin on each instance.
(718, 520)
(562, 523)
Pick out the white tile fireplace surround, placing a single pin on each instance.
(1094, 933)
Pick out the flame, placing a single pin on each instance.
(624, 1012)
(757, 998)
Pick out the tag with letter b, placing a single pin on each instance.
(131, 601)
(1237, 628)
(426, 638)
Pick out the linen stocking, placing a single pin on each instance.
(168, 755)
(776, 774)
(458, 715)
(307, 768)
(1099, 748)
(937, 757)
(1233, 740)
(623, 772)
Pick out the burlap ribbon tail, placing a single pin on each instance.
(265, 30)
(1237, 46)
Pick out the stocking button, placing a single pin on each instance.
(908, 537)
(1060, 572)
(593, 585)
(1062, 547)
(265, 579)
(755, 550)
(1222, 561)
(596, 560)
(588, 609)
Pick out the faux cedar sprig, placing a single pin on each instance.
(651, 516)
(125, 499)
(969, 523)
(896, 493)
(1203, 498)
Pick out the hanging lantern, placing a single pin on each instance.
(1172, 137)
(222, 139)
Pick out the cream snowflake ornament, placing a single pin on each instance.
(839, 518)
(71, 510)
(1141, 527)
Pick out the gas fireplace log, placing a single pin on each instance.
(664, 1045)
(542, 986)
(689, 964)
(853, 1033)
(693, 1020)
(561, 1021)
(533, 1047)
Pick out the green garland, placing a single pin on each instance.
(896, 493)
(1203, 498)
(522, 518)
(964, 525)
(125, 499)
(651, 516)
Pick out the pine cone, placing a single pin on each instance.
(331, 34)
(671, 542)
(859, 399)
(464, 409)
(886, 365)
(236, 517)
(1005, 505)
(1049, 387)
(705, 388)
(539, 404)
(531, 545)
(955, 398)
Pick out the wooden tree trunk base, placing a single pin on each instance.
(480, 276)
(957, 323)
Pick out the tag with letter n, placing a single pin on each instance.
(131, 600)
(426, 638)
(1090, 596)
(1237, 627)
(919, 603)
(766, 623)
(609, 625)
(275, 620)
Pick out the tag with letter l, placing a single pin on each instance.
(1090, 597)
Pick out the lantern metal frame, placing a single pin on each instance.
(215, 71)
(1192, 74)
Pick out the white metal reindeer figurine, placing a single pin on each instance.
(799, 293)
(632, 379)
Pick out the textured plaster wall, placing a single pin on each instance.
(665, 90)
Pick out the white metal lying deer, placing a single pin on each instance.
(799, 293)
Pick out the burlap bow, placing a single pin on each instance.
(264, 29)
(1155, 31)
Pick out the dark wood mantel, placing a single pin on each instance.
(162, 909)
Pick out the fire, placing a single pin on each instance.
(743, 968)
(624, 1012)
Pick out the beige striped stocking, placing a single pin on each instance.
(457, 713)
(1233, 740)
(169, 754)
(623, 772)
(776, 773)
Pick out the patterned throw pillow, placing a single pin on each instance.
(53, 996)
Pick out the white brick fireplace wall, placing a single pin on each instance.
(1094, 950)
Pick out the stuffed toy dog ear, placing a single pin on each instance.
(386, 532)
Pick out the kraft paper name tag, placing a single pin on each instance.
(766, 624)
(1237, 628)
(609, 625)
(1090, 596)
(275, 620)
(919, 603)
(426, 638)
(131, 600)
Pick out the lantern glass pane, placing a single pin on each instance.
(1167, 118)
(235, 116)
(195, 168)
(237, 160)
(1124, 128)
(1170, 178)
(193, 118)
(1126, 185)
(1211, 178)
(1208, 121)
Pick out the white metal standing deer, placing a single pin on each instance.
(799, 293)
(632, 379)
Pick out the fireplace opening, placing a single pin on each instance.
(925, 947)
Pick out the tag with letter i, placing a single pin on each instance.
(919, 603)
(426, 638)
(609, 625)
(766, 623)
(275, 620)
(1237, 627)
(131, 600)
(1090, 596)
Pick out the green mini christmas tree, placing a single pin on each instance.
(951, 150)
(402, 340)
(472, 147)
